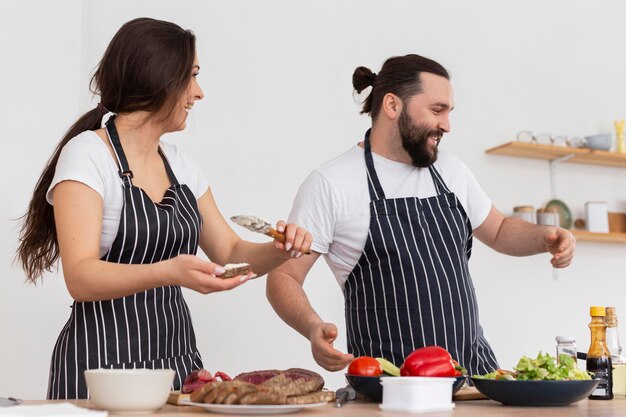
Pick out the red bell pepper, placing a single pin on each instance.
(429, 361)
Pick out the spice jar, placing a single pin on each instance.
(548, 216)
(525, 213)
(566, 345)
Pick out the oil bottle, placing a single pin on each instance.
(615, 347)
(599, 357)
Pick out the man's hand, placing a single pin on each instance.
(322, 337)
(561, 244)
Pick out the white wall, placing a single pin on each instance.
(277, 79)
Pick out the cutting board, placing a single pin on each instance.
(469, 393)
(176, 397)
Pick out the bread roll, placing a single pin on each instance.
(232, 270)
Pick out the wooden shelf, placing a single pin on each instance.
(576, 155)
(583, 236)
(550, 152)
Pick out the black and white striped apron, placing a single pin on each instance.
(411, 286)
(149, 329)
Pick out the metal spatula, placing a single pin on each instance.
(258, 225)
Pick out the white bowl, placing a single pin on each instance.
(416, 394)
(129, 391)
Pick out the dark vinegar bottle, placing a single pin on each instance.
(599, 357)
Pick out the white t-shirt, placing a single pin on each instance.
(333, 202)
(87, 159)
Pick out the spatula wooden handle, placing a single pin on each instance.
(276, 235)
(280, 237)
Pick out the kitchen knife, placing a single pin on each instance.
(258, 225)
(9, 401)
(344, 394)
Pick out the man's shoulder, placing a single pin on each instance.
(449, 164)
(344, 167)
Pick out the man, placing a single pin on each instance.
(394, 219)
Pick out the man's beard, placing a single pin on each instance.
(415, 141)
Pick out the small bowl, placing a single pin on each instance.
(129, 391)
(367, 386)
(370, 386)
(417, 394)
(601, 142)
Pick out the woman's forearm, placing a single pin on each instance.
(92, 280)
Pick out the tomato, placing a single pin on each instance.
(365, 366)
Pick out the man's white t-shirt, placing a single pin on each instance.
(333, 202)
(87, 159)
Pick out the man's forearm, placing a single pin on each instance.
(290, 302)
(519, 238)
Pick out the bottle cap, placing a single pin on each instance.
(597, 311)
(566, 339)
(523, 208)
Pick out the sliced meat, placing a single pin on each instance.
(266, 397)
(224, 390)
(282, 384)
(228, 392)
(198, 395)
(210, 397)
(257, 377)
(195, 380)
(242, 390)
(312, 397)
(297, 373)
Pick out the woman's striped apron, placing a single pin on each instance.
(149, 329)
(412, 287)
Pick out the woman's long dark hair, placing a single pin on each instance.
(147, 66)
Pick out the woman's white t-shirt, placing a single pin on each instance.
(333, 202)
(87, 159)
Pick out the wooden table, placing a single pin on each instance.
(613, 408)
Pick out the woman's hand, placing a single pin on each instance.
(297, 239)
(192, 272)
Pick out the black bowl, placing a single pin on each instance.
(370, 386)
(535, 393)
(458, 384)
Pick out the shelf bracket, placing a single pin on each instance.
(553, 163)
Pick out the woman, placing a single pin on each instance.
(126, 212)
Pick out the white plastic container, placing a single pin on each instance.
(416, 394)
(597, 216)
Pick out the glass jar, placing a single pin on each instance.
(525, 213)
(566, 345)
(548, 216)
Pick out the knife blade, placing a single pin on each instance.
(344, 394)
(258, 225)
(9, 401)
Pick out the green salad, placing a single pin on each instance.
(545, 367)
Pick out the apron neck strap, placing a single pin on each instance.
(124, 170)
(168, 168)
(373, 183)
(440, 185)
